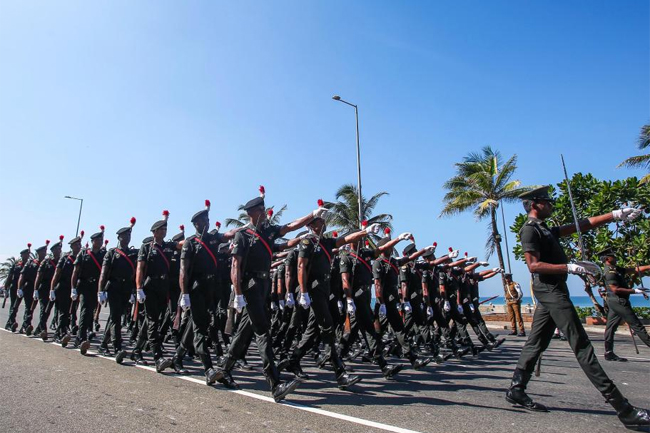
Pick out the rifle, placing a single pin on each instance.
(488, 300)
(5, 300)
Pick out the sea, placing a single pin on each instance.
(578, 301)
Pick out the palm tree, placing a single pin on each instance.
(481, 183)
(344, 213)
(5, 266)
(641, 161)
(242, 219)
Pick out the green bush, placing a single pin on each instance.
(642, 312)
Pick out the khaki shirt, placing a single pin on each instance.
(511, 292)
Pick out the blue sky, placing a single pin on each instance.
(143, 106)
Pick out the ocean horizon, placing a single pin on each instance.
(578, 301)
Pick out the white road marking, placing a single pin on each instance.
(338, 416)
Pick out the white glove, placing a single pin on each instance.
(582, 268)
(496, 269)
(407, 307)
(404, 236)
(318, 213)
(290, 301)
(639, 292)
(351, 307)
(132, 299)
(239, 303)
(52, 296)
(626, 214)
(308, 235)
(305, 301)
(185, 301)
(36, 298)
(429, 312)
(102, 296)
(447, 307)
(483, 263)
(141, 296)
(19, 293)
(340, 305)
(382, 310)
(74, 295)
(454, 254)
(430, 248)
(274, 306)
(281, 304)
(472, 308)
(372, 229)
(460, 308)
(471, 259)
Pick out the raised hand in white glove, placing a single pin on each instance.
(639, 291)
(372, 229)
(308, 235)
(141, 296)
(274, 306)
(19, 293)
(339, 304)
(471, 259)
(430, 249)
(447, 306)
(583, 267)
(351, 307)
(407, 307)
(239, 303)
(185, 302)
(497, 270)
(52, 295)
(454, 254)
(74, 295)
(404, 236)
(290, 301)
(626, 214)
(483, 263)
(305, 300)
(382, 310)
(318, 213)
(429, 312)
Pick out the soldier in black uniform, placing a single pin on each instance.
(252, 256)
(152, 288)
(198, 281)
(60, 290)
(44, 283)
(618, 301)
(297, 316)
(116, 283)
(85, 276)
(314, 265)
(11, 288)
(26, 288)
(549, 265)
(173, 309)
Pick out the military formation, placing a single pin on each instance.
(208, 295)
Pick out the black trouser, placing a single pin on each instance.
(156, 292)
(28, 299)
(471, 319)
(255, 321)
(416, 319)
(460, 323)
(481, 323)
(555, 310)
(365, 321)
(394, 318)
(299, 317)
(320, 323)
(119, 292)
(87, 290)
(46, 308)
(620, 310)
(201, 300)
(13, 305)
(63, 302)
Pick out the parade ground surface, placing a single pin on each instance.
(46, 388)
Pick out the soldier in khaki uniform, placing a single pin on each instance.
(513, 306)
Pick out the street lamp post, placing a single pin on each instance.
(81, 205)
(356, 115)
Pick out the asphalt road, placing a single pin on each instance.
(46, 388)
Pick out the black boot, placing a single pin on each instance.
(390, 371)
(177, 361)
(517, 394)
(611, 356)
(344, 380)
(65, 340)
(281, 390)
(137, 358)
(120, 355)
(225, 373)
(633, 418)
(162, 364)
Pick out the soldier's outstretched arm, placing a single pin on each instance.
(301, 222)
(642, 269)
(536, 266)
(623, 214)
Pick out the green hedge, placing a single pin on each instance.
(641, 312)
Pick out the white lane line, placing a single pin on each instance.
(338, 416)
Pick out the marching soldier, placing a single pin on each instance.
(549, 265)
(85, 276)
(11, 288)
(252, 256)
(618, 301)
(116, 284)
(61, 287)
(43, 285)
(26, 288)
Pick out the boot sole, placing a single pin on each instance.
(511, 401)
(352, 382)
(288, 391)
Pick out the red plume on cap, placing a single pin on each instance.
(102, 228)
(86, 244)
(335, 234)
(465, 253)
(387, 232)
(61, 238)
(320, 202)
(132, 221)
(367, 243)
(182, 227)
(81, 235)
(165, 215)
(262, 191)
(106, 242)
(451, 249)
(364, 223)
(47, 242)
(207, 204)
(218, 224)
(269, 213)
(435, 244)
(29, 245)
